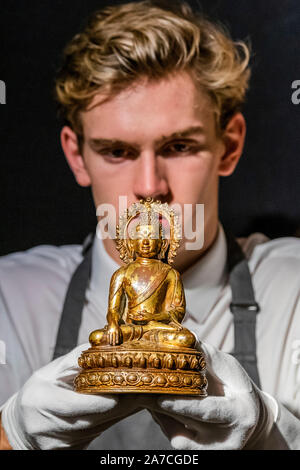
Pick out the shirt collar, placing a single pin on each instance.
(203, 281)
(103, 267)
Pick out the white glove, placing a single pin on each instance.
(234, 415)
(48, 414)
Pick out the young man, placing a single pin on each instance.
(151, 100)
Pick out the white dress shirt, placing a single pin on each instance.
(33, 285)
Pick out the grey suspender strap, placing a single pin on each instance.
(68, 330)
(243, 307)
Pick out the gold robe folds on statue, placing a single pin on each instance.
(147, 299)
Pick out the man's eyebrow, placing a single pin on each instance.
(182, 134)
(97, 142)
(108, 142)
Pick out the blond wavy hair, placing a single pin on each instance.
(125, 43)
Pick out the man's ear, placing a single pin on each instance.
(69, 142)
(233, 139)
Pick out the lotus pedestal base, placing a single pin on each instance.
(136, 369)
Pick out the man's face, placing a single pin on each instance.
(155, 139)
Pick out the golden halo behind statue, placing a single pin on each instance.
(149, 208)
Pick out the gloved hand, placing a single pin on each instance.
(48, 414)
(234, 415)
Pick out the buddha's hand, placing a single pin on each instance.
(234, 415)
(114, 333)
(48, 414)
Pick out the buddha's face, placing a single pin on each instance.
(147, 241)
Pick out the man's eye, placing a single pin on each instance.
(178, 148)
(117, 153)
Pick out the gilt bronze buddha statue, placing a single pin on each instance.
(144, 348)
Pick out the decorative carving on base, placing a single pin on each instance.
(117, 369)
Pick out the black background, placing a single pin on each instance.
(40, 201)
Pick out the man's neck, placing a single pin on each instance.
(186, 258)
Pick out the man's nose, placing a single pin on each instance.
(149, 180)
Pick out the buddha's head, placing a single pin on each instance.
(148, 241)
(148, 229)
